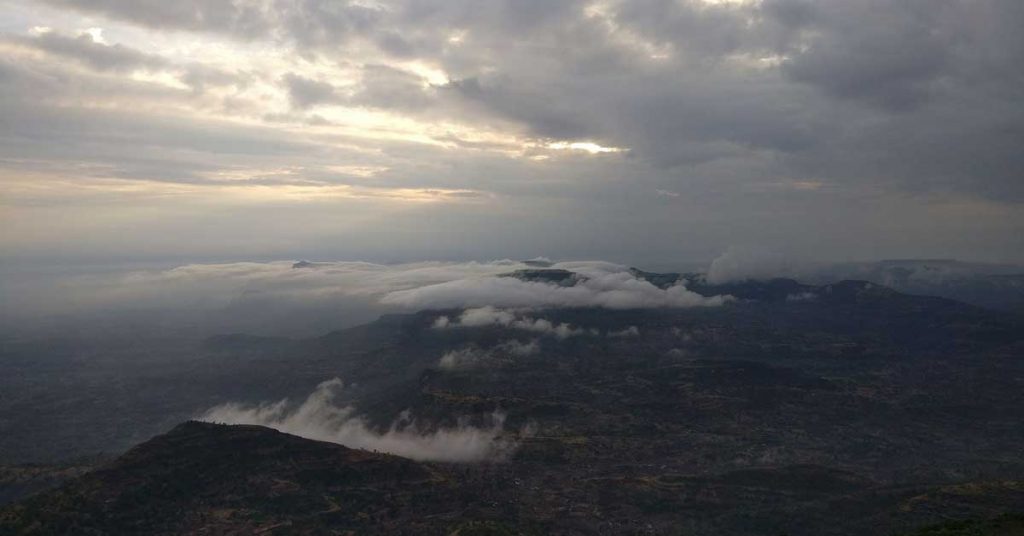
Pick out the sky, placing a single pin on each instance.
(646, 132)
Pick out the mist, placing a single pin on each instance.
(473, 356)
(320, 417)
(290, 298)
(303, 299)
(511, 319)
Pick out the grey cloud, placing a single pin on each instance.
(387, 87)
(305, 92)
(545, 116)
(97, 55)
(243, 17)
(703, 32)
(315, 24)
(118, 58)
(905, 115)
(894, 57)
(491, 20)
(307, 23)
(135, 146)
(567, 78)
(739, 264)
(884, 52)
(200, 77)
(393, 43)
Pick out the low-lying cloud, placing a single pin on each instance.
(320, 417)
(464, 358)
(288, 298)
(603, 285)
(738, 264)
(631, 331)
(512, 319)
(520, 349)
(475, 357)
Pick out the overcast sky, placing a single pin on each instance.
(646, 132)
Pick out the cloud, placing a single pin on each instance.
(802, 297)
(320, 417)
(890, 59)
(88, 50)
(473, 356)
(310, 298)
(201, 77)
(521, 320)
(742, 263)
(244, 18)
(907, 111)
(305, 92)
(264, 298)
(518, 348)
(491, 316)
(463, 358)
(717, 81)
(631, 331)
(605, 285)
(382, 86)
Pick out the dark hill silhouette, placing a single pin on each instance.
(211, 478)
